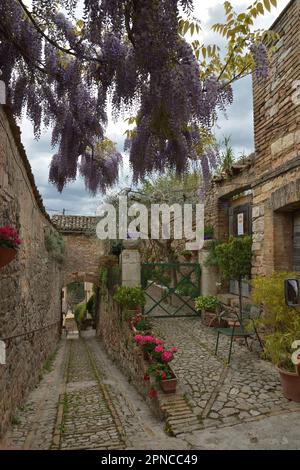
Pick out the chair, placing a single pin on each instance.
(243, 327)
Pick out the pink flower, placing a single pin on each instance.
(148, 339)
(174, 350)
(159, 349)
(167, 356)
(158, 341)
(138, 339)
(146, 377)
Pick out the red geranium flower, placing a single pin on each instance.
(146, 377)
(163, 375)
(152, 393)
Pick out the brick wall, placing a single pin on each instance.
(277, 101)
(30, 286)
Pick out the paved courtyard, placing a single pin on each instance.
(85, 402)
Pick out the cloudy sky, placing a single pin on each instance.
(238, 125)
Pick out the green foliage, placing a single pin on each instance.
(80, 314)
(158, 274)
(208, 231)
(103, 279)
(227, 157)
(157, 369)
(75, 292)
(209, 302)
(130, 297)
(91, 305)
(281, 323)
(239, 33)
(55, 245)
(15, 420)
(186, 288)
(233, 258)
(143, 325)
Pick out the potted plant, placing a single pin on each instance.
(160, 368)
(233, 259)
(9, 244)
(148, 343)
(130, 299)
(141, 324)
(164, 376)
(281, 325)
(208, 306)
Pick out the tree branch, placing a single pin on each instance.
(48, 39)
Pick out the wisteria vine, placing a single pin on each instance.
(62, 71)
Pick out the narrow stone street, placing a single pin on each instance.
(85, 402)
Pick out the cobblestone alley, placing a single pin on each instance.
(85, 402)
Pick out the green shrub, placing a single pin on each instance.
(143, 325)
(210, 303)
(55, 245)
(91, 305)
(233, 259)
(280, 322)
(208, 232)
(80, 314)
(130, 297)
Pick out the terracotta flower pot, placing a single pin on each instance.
(169, 385)
(6, 255)
(290, 382)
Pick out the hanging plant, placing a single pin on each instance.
(9, 244)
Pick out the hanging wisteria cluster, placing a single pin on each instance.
(260, 54)
(62, 70)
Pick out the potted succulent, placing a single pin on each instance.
(281, 325)
(130, 299)
(208, 306)
(9, 244)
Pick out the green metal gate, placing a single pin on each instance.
(170, 288)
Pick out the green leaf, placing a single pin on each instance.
(267, 5)
(260, 8)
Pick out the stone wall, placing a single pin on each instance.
(273, 175)
(119, 344)
(277, 101)
(30, 286)
(83, 255)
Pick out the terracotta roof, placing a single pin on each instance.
(75, 223)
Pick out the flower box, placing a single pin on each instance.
(6, 255)
(169, 385)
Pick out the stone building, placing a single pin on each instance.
(30, 286)
(262, 195)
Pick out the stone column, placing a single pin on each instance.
(2, 92)
(131, 264)
(209, 274)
